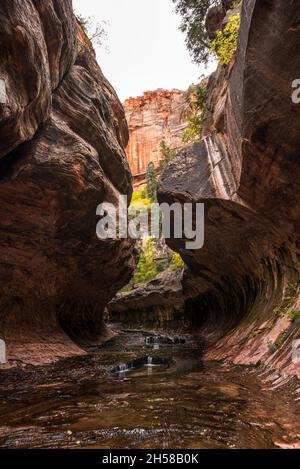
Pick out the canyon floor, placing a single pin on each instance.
(137, 392)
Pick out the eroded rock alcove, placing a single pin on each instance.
(242, 284)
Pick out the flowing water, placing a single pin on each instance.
(147, 392)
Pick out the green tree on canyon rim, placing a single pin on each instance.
(203, 43)
(193, 24)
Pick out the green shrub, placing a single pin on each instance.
(294, 315)
(271, 346)
(236, 3)
(288, 300)
(151, 180)
(166, 155)
(177, 262)
(194, 111)
(280, 340)
(277, 344)
(193, 132)
(225, 44)
(279, 312)
(140, 198)
(146, 269)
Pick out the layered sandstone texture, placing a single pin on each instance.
(62, 138)
(156, 304)
(152, 118)
(243, 286)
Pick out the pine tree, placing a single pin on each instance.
(167, 154)
(151, 179)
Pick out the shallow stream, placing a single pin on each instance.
(152, 392)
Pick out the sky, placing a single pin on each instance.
(146, 49)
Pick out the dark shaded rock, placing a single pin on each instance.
(163, 340)
(142, 362)
(38, 46)
(227, 4)
(214, 20)
(62, 134)
(159, 303)
(246, 172)
(217, 16)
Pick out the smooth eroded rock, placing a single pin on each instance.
(62, 135)
(246, 172)
(159, 303)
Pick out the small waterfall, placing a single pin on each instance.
(156, 343)
(149, 361)
(122, 368)
(2, 352)
(148, 340)
(153, 340)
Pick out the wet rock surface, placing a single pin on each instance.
(180, 401)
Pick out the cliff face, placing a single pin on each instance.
(152, 118)
(62, 138)
(243, 286)
(156, 304)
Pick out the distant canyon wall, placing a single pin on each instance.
(152, 118)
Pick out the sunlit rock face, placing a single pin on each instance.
(152, 118)
(62, 138)
(245, 281)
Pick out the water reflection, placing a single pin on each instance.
(169, 398)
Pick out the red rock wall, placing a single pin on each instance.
(151, 118)
(62, 138)
(243, 286)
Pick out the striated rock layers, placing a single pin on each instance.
(62, 138)
(159, 303)
(152, 118)
(243, 286)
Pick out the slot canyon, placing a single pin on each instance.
(205, 353)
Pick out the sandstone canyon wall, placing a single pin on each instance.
(152, 118)
(62, 138)
(242, 288)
